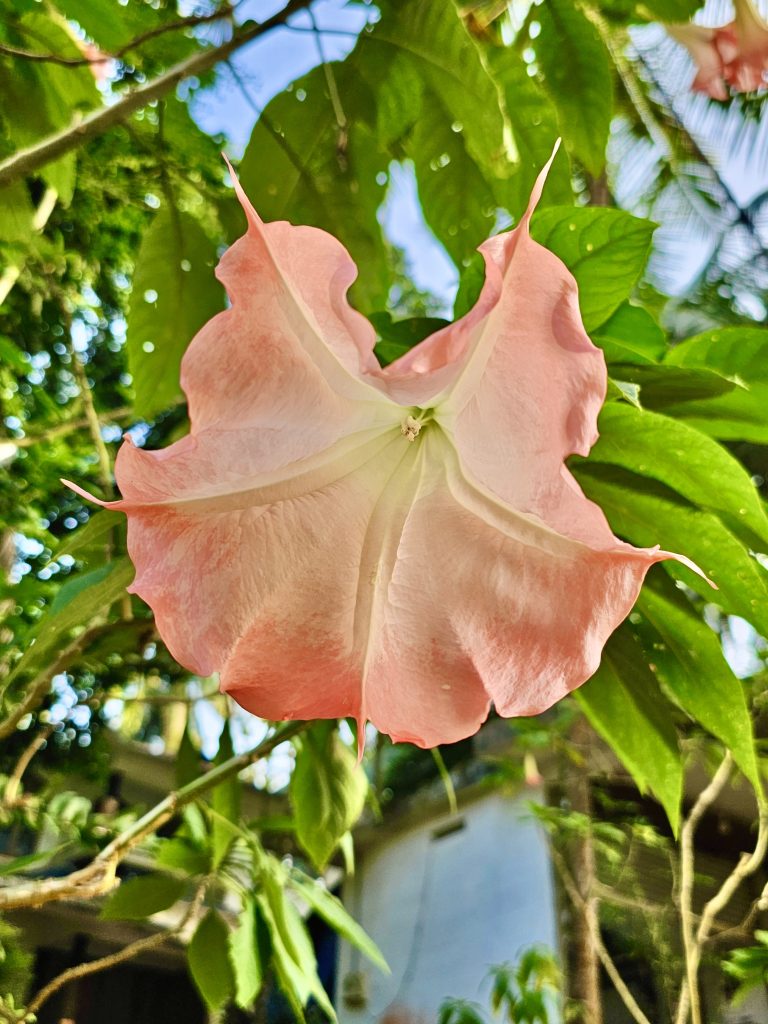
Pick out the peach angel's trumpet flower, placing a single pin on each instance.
(400, 545)
(743, 46)
(700, 42)
(734, 55)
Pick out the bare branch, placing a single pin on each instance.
(689, 996)
(27, 161)
(99, 877)
(130, 951)
(14, 780)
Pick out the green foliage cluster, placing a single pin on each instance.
(107, 272)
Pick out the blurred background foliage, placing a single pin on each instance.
(657, 201)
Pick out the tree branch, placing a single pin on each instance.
(130, 951)
(99, 877)
(27, 161)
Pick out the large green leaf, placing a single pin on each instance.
(91, 538)
(16, 213)
(293, 956)
(398, 99)
(684, 459)
(334, 913)
(174, 293)
(646, 512)
(209, 964)
(534, 122)
(605, 250)
(738, 352)
(245, 956)
(75, 604)
(626, 707)
(143, 896)
(399, 336)
(690, 661)
(671, 387)
(327, 791)
(301, 166)
(40, 98)
(457, 201)
(577, 73)
(631, 335)
(452, 64)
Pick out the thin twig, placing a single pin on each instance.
(14, 779)
(37, 689)
(62, 429)
(605, 957)
(689, 996)
(94, 425)
(130, 951)
(330, 78)
(99, 877)
(99, 121)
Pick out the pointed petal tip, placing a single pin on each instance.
(361, 723)
(243, 199)
(687, 562)
(83, 493)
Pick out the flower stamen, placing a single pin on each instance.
(410, 428)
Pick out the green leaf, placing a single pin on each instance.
(292, 953)
(142, 897)
(400, 336)
(245, 956)
(398, 99)
(300, 166)
(735, 352)
(684, 459)
(453, 66)
(631, 335)
(691, 663)
(209, 963)
(327, 791)
(457, 201)
(645, 513)
(92, 536)
(16, 214)
(471, 281)
(187, 764)
(334, 913)
(180, 854)
(577, 73)
(624, 704)
(174, 293)
(534, 123)
(666, 387)
(225, 800)
(75, 604)
(605, 250)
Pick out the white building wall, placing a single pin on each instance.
(443, 909)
